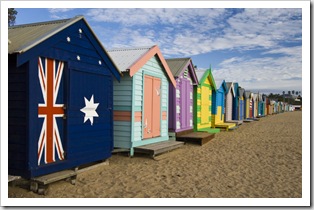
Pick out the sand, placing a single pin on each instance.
(261, 159)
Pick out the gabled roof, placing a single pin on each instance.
(241, 91)
(203, 74)
(255, 96)
(247, 94)
(178, 65)
(236, 89)
(133, 59)
(22, 38)
(221, 83)
(230, 85)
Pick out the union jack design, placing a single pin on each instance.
(49, 139)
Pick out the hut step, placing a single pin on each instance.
(158, 148)
(197, 137)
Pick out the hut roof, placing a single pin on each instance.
(241, 91)
(177, 65)
(132, 59)
(203, 74)
(230, 86)
(247, 94)
(22, 38)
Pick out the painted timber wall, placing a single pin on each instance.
(181, 97)
(203, 101)
(247, 102)
(260, 105)
(54, 123)
(241, 103)
(130, 125)
(218, 104)
(229, 101)
(236, 102)
(255, 105)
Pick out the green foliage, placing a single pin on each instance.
(12, 16)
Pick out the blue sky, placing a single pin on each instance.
(260, 48)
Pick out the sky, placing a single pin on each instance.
(260, 48)
(258, 45)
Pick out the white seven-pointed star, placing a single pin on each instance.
(90, 110)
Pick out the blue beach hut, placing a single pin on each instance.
(60, 97)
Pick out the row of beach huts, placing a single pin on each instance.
(72, 102)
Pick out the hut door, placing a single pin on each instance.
(151, 116)
(251, 108)
(204, 105)
(51, 111)
(185, 105)
(241, 110)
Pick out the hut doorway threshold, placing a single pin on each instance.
(158, 148)
(195, 137)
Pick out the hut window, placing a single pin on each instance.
(191, 109)
(191, 95)
(191, 123)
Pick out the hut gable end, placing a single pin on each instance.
(70, 39)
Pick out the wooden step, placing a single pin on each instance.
(197, 137)
(184, 132)
(158, 148)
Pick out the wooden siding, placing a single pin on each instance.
(228, 105)
(131, 88)
(181, 117)
(203, 105)
(122, 106)
(17, 117)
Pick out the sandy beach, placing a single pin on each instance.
(260, 159)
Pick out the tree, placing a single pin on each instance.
(12, 16)
(292, 92)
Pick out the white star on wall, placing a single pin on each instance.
(90, 109)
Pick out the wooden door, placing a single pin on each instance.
(151, 116)
(204, 105)
(156, 114)
(185, 104)
(50, 111)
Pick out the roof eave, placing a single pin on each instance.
(47, 36)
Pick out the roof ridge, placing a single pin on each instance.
(178, 58)
(39, 23)
(130, 48)
(45, 22)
